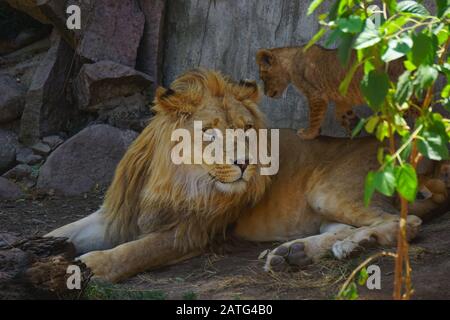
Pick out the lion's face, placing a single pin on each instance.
(272, 73)
(225, 106)
(217, 114)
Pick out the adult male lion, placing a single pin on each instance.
(157, 213)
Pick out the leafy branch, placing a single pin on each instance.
(404, 32)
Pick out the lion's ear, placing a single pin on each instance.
(248, 90)
(168, 100)
(265, 58)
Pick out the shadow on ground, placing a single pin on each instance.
(237, 273)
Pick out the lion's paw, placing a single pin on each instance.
(98, 263)
(350, 248)
(286, 256)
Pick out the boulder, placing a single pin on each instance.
(149, 58)
(9, 190)
(41, 149)
(47, 109)
(84, 161)
(8, 147)
(19, 172)
(27, 156)
(12, 99)
(53, 141)
(105, 80)
(130, 112)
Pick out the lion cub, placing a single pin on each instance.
(317, 73)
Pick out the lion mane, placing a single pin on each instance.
(149, 193)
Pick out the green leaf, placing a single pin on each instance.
(446, 91)
(374, 87)
(425, 76)
(368, 37)
(352, 24)
(363, 276)
(442, 7)
(369, 187)
(412, 7)
(405, 88)
(409, 65)
(372, 124)
(392, 5)
(401, 126)
(382, 130)
(313, 6)
(384, 181)
(392, 26)
(423, 51)
(406, 181)
(333, 37)
(345, 48)
(350, 293)
(433, 145)
(397, 48)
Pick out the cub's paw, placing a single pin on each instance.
(285, 256)
(307, 134)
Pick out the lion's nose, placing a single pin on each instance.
(242, 164)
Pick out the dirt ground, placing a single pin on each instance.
(238, 274)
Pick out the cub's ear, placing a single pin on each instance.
(265, 57)
(169, 101)
(248, 90)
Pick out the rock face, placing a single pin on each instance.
(12, 99)
(30, 7)
(150, 53)
(46, 109)
(9, 190)
(8, 147)
(99, 82)
(85, 160)
(113, 31)
(226, 35)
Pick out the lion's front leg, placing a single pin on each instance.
(150, 252)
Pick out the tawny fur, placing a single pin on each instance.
(317, 73)
(157, 213)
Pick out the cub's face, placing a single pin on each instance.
(272, 73)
